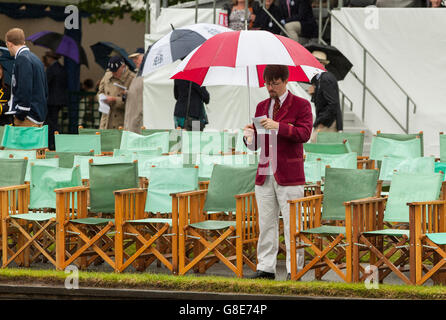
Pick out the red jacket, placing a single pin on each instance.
(295, 125)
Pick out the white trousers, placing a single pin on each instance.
(271, 200)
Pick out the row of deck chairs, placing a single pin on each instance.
(97, 210)
(345, 224)
(354, 225)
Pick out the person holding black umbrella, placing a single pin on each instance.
(325, 95)
(189, 106)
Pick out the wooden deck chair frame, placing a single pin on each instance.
(244, 231)
(77, 236)
(34, 236)
(94, 240)
(368, 214)
(337, 243)
(130, 206)
(427, 218)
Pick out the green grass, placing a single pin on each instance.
(222, 284)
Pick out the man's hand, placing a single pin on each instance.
(269, 124)
(248, 133)
(435, 3)
(110, 99)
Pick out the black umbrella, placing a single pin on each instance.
(339, 65)
(103, 50)
(60, 44)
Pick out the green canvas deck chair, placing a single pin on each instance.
(66, 159)
(18, 154)
(134, 141)
(2, 129)
(330, 148)
(133, 226)
(206, 142)
(174, 137)
(77, 143)
(35, 223)
(110, 138)
(206, 162)
(26, 138)
(366, 219)
(84, 163)
(92, 226)
(427, 240)
(382, 147)
(341, 160)
(316, 221)
(390, 165)
(442, 147)
(441, 167)
(14, 194)
(40, 162)
(404, 137)
(233, 243)
(355, 139)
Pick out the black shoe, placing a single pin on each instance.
(263, 275)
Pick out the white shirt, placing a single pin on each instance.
(271, 105)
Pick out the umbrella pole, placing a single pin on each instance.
(249, 94)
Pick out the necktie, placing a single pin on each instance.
(289, 10)
(276, 108)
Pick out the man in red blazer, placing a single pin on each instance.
(280, 174)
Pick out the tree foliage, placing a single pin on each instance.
(115, 9)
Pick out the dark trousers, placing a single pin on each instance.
(52, 120)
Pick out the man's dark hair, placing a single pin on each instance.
(275, 72)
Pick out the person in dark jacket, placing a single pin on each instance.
(298, 19)
(28, 102)
(5, 92)
(264, 22)
(189, 93)
(57, 94)
(325, 95)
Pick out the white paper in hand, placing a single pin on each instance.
(260, 129)
(103, 106)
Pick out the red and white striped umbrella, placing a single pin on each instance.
(239, 58)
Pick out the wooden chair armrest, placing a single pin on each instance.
(244, 195)
(365, 201)
(17, 187)
(129, 191)
(306, 199)
(71, 189)
(189, 193)
(420, 203)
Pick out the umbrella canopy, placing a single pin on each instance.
(339, 65)
(179, 43)
(60, 44)
(239, 58)
(103, 50)
(7, 63)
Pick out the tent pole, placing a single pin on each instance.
(196, 11)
